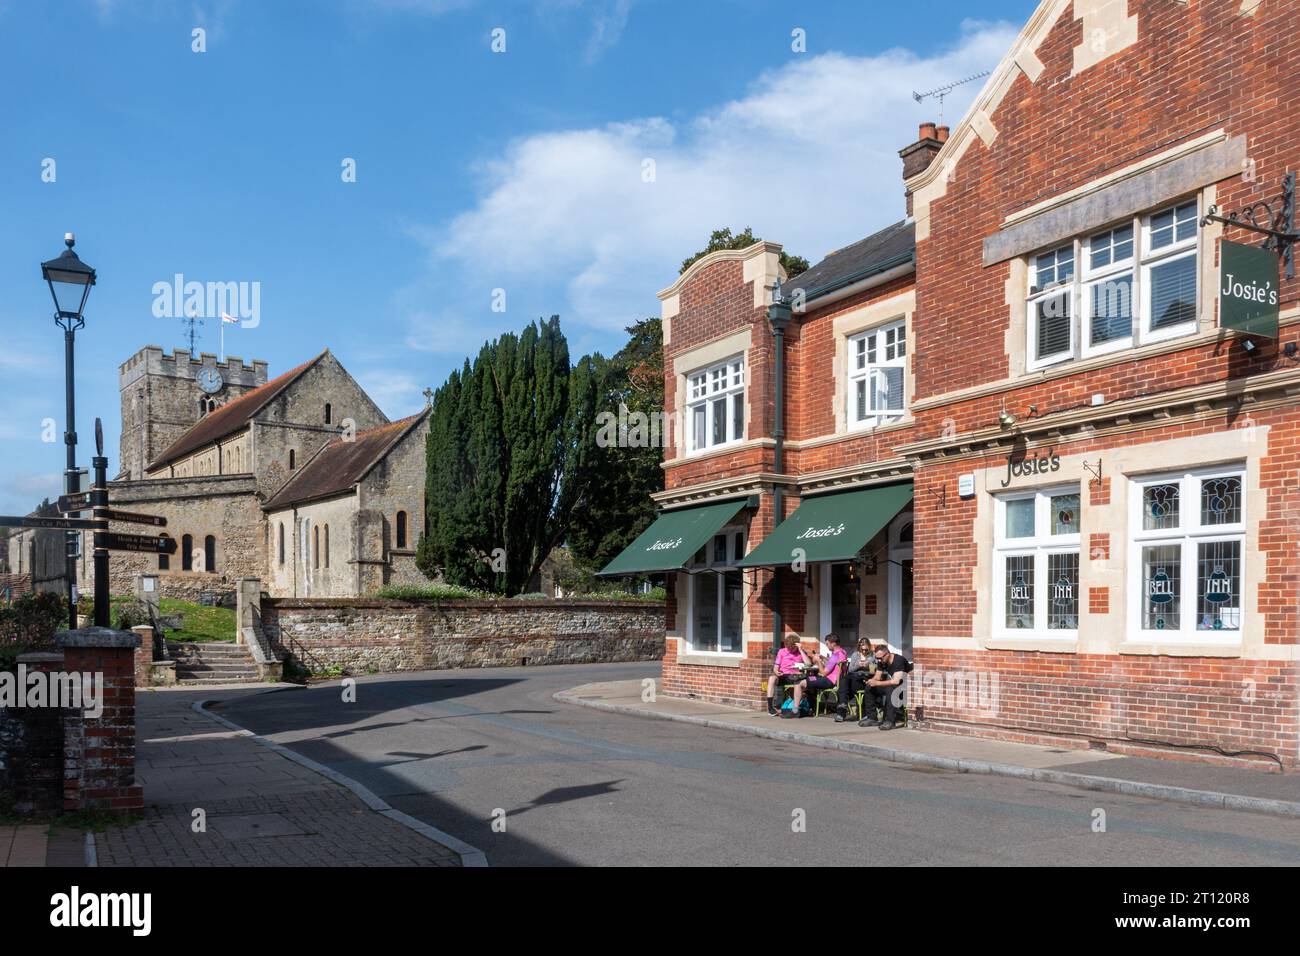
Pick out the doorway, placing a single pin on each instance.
(840, 603)
(900, 584)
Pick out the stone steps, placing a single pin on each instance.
(199, 664)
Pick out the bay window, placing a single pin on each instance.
(715, 615)
(877, 375)
(1131, 284)
(1186, 555)
(1036, 563)
(715, 404)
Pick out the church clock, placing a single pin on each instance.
(210, 380)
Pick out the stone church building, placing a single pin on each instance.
(299, 480)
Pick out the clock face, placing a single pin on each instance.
(210, 380)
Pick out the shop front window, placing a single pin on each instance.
(1036, 568)
(717, 596)
(1187, 555)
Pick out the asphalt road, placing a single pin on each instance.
(578, 786)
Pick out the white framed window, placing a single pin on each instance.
(1169, 267)
(1036, 563)
(1130, 284)
(877, 375)
(1051, 307)
(715, 610)
(715, 404)
(1186, 555)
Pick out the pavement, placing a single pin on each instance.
(216, 795)
(1202, 784)
(492, 757)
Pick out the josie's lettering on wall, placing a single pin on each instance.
(1028, 465)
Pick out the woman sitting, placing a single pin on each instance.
(791, 660)
(825, 673)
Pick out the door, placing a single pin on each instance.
(900, 584)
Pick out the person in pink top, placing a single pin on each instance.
(824, 674)
(791, 660)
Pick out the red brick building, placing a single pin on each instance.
(1100, 545)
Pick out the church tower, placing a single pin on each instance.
(163, 395)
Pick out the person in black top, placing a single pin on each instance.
(885, 688)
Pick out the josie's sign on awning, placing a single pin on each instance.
(1248, 289)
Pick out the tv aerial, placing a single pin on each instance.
(939, 92)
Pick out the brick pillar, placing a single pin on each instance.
(99, 752)
(36, 753)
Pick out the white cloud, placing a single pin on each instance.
(808, 157)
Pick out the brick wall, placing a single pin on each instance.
(1212, 708)
(384, 636)
(66, 759)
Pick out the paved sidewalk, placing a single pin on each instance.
(1183, 781)
(251, 805)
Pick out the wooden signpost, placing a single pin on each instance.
(96, 501)
(78, 502)
(148, 544)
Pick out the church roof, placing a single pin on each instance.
(341, 464)
(230, 417)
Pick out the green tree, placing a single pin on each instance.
(620, 475)
(499, 441)
(723, 239)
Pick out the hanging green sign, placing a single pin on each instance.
(1249, 289)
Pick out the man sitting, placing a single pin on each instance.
(826, 672)
(788, 668)
(885, 688)
(861, 665)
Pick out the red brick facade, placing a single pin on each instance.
(1062, 125)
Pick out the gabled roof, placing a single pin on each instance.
(230, 417)
(340, 465)
(879, 252)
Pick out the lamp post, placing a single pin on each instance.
(779, 316)
(70, 280)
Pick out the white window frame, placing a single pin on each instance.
(704, 386)
(1179, 249)
(887, 355)
(1068, 287)
(1093, 277)
(1041, 544)
(1189, 533)
(1077, 288)
(735, 548)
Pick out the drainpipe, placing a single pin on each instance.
(779, 317)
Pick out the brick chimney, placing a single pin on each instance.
(919, 155)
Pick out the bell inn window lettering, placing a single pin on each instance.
(877, 372)
(716, 614)
(1132, 284)
(1186, 556)
(715, 408)
(1036, 566)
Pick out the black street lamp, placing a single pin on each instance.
(70, 280)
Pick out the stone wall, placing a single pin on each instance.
(223, 506)
(396, 485)
(383, 636)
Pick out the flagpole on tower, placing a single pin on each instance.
(225, 317)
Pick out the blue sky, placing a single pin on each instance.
(475, 170)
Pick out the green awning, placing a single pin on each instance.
(830, 527)
(673, 538)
